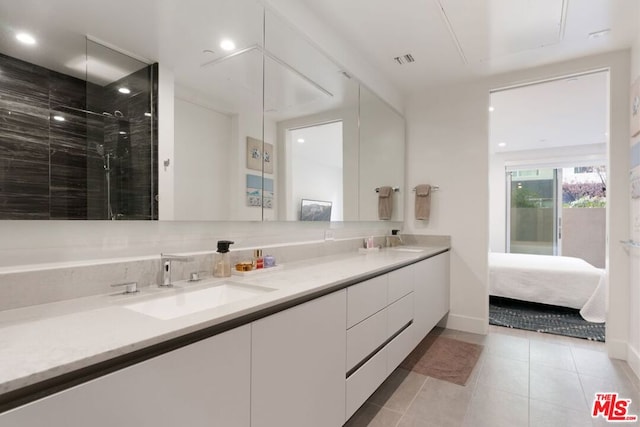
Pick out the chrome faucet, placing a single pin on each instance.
(167, 265)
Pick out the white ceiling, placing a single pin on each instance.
(454, 40)
(450, 40)
(560, 113)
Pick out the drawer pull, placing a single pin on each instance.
(374, 352)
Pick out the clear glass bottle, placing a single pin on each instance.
(222, 259)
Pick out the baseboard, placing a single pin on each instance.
(474, 325)
(633, 359)
(617, 349)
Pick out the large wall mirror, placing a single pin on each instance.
(265, 126)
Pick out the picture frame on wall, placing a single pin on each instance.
(259, 154)
(254, 190)
(260, 191)
(254, 154)
(268, 157)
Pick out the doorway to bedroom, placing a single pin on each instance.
(548, 179)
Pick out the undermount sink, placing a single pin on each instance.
(189, 302)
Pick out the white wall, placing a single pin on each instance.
(552, 157)
(201, 153)
(447, 134)
(633, 353)
(447, 145)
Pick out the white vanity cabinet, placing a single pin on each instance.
(203, 384)
(431, 299)
(298, 365)
(311, 365)
(380, 311)
(386, 330)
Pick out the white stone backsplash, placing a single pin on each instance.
(34, 284)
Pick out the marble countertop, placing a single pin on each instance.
(41, 342)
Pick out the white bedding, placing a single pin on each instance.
(557, 280)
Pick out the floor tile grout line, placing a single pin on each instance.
(413, 400)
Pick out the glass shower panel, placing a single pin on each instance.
(532, 211)
(121, 137)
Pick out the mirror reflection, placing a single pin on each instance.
(76, 139)
(218, 115)
(381, 156)
(259, 119)
(313, 104)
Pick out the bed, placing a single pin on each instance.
(556, 280)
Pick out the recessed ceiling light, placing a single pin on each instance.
(227, 45)
(147, 114)
(122, 132)
(598, 34)
(502, 144)
(491, 108)
(58, 118)
(301, 140)
(124, 90)
(26, 38)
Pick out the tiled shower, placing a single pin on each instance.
(74, 148)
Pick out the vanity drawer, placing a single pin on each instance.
(365, 337)
(399, 314)
(366, 298)
(400, 283)
(363, 382)
(399, 348)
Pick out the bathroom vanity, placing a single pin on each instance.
(309, 350)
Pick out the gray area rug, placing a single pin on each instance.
(549, 319)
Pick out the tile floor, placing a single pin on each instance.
(523, 379)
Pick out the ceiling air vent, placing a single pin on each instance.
(404, 59)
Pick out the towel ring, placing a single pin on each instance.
(395, 189)
(433, 187)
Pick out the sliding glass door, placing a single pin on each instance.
(533, 214)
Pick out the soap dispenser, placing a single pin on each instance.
(222, 259)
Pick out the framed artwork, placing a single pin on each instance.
(259, 154)
(315, 210)
(267, 193)
(254, 190)
(254, 154)
(258, 196)
(634, 108)
(268, 157)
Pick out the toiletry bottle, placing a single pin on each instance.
(257, 259)
(222, 259)
(269, 261)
